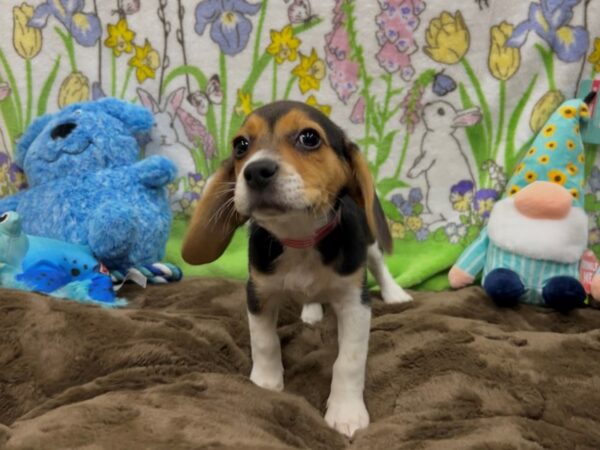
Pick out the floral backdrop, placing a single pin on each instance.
(442, 97)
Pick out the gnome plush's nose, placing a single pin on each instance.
(543, 200)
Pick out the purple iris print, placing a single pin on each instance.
(550, 20)
(229, 27)
(84, 27)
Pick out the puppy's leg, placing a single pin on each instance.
(390, 291)
(312, 313)
(346, 410)
(267, 369)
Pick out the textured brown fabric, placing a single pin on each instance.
(449, 370)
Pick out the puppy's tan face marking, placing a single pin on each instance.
(310, 173)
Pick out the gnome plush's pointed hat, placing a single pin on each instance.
(556, 154)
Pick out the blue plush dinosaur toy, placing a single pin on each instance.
(87, 185)
(51, 267)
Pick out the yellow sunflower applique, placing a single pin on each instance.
(549, 130)
(575, 193)
(519, 168)
(530, 176)
(544, 159)
(531, 151)
(581, 158)
(572, 169)
(513, 190)
(571, 144)
(557, 176)
(568, 112)
(551, 145)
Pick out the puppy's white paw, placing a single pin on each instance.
(395, 294)
(312, 313)
(271, 379)
(346, 415)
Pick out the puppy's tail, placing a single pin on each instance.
(384, 238)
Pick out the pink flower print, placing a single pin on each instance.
(358, 112)
(397, 22)
(4, 90)
(196, 132)
(343, 72)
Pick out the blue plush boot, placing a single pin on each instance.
(563, 293)
(504, 287)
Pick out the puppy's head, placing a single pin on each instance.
(289, 163)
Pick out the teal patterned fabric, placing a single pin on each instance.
(484, 255)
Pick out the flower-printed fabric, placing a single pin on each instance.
(443, 98)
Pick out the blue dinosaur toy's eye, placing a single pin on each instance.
(3, 217)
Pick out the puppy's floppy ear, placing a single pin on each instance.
(32, 132)
(215, 219)
(136, 119)
(362, 190)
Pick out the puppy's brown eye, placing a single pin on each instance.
(309, 139)
(240, 146)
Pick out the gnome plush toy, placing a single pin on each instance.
(531, 248)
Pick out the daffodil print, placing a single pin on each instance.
(145, 61)
(312, 101)
(120, 38)
(244, 106)
(284, 45)
(310, 72)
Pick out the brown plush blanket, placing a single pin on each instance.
(169, 372)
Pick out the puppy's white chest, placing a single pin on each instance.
(303, 276)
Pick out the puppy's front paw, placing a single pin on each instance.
(395, 294)
(346, 415)
(267, 378)
(312, 313)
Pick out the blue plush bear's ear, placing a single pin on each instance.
(137, 119)
(34, 130)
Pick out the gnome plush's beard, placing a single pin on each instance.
(562, 240)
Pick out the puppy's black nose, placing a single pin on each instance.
(62, 130)
(259, 174)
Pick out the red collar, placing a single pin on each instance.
(318, 236)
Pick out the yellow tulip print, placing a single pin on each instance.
(543, 108)
(594, 57)
(447, 38)
(27, 40)
(503, 61)
(75, 88)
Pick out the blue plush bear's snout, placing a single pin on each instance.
(63, 130)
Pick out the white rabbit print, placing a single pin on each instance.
(164, 137)
(441, 159)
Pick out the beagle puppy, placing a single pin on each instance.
(315, 226)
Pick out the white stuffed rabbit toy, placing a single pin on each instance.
(165, 140)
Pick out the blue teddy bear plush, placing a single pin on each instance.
(87, 186)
